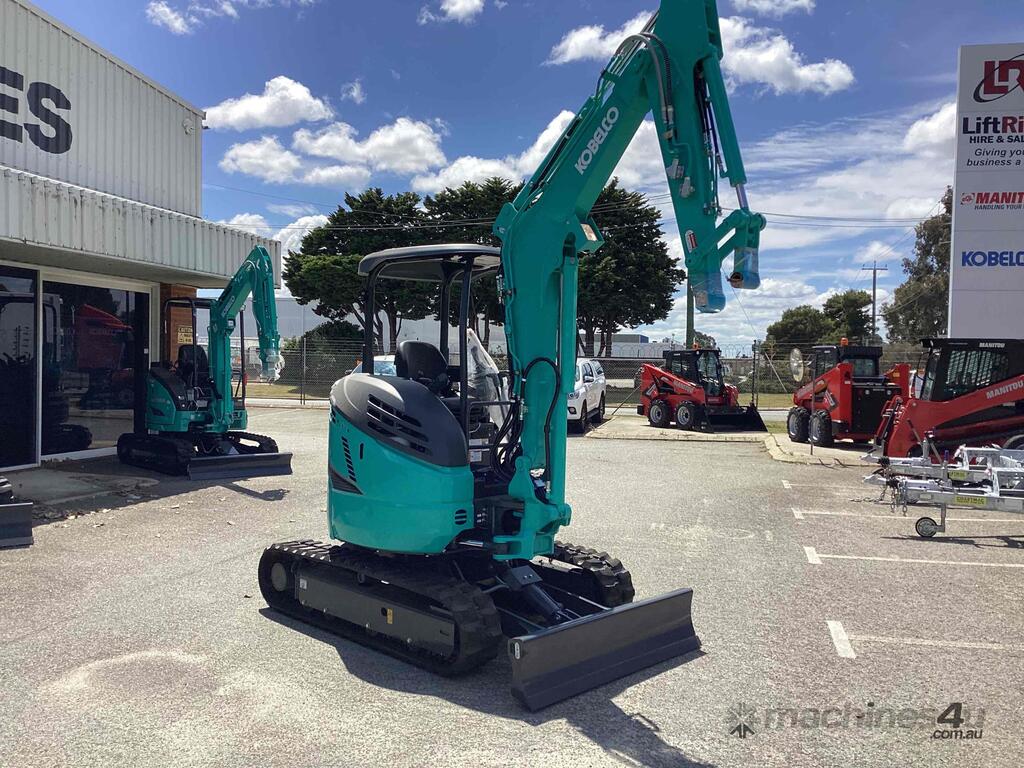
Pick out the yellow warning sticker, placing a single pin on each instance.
(970, 501)
(390, 615)
(958, 474)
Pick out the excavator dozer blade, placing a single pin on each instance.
(239, 466)
(749, 420)
(582, 654)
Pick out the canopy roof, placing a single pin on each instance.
(431, 262)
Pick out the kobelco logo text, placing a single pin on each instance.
(992, 259)
(1001, 79)
(588, 154)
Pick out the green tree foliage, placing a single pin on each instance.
(326, 269)
(849, 315)
(704, 340)
(799, 327)
(474, 206)
(920, 306)
(631, 279)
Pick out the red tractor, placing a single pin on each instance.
(689, 389)
(846, 395)
(972, 393)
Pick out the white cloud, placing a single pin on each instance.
(265, 158)
(294, 210)
(471, 168)
(254, 223)
(283, 102)
(349, 177)
(291, 235)
(767, 57)
(593, 42)
(163, 15)
(462, 11)
(354, 91)
(876, 250)
(194, 13)
(753, 55)
(935, 135)
(405, 146)
(774, 8)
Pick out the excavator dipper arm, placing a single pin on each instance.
(670, 68)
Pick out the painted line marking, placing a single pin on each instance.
(814, 558)
(841, 640)
(787, 485)
(769, 536)
(799, 515)
(961, 644)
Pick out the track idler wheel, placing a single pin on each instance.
(597, 576)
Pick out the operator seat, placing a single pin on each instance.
(192, 358)
(423, 362)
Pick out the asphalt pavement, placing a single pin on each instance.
(832, 636)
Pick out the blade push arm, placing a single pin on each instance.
(671, 68)
(255, 276)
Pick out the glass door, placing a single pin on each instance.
(17, 367)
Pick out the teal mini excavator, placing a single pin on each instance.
(195, 403)
(447, 493)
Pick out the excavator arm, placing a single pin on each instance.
(671, 69)
(255, 276)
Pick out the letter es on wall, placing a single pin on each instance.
(42, 99)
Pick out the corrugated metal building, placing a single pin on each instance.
(100, 205)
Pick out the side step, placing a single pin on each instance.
(239, 466)
(570, 658)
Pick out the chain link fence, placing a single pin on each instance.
(311, 369)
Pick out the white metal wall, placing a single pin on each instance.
(129, 136)
(38, 211)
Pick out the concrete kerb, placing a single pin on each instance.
(826, 457)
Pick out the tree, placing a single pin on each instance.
(473, 206)
(631, 279)
(920, 306)
(326, 269)
(849, 316)
(799, 327)
(704, 340)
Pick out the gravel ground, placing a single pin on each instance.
(136, 635)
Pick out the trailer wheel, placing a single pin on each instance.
(1015, 443)
(926, 527)
(658, 413)
(796, 424)
(820, 429)
(686, 415)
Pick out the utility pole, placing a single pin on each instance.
(875, 269)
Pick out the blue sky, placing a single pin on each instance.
(843, 109)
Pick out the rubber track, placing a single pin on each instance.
(177, 453)
(613, 580)
(265, 444)
(478, 637)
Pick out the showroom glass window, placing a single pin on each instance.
(94, 341)
(17, 367)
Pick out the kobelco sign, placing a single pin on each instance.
(595, 142)
(986, 283)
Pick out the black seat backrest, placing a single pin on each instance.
(192, 357)
(422, 361)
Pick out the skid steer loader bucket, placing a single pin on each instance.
(570, 658)
(239, 466)
(741, 419)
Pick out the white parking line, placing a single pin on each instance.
(799, 514)
(814, 558)
(787, 485)
(841, 640)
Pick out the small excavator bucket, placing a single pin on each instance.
(747, 420)
(568, 659)
(238, 466)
